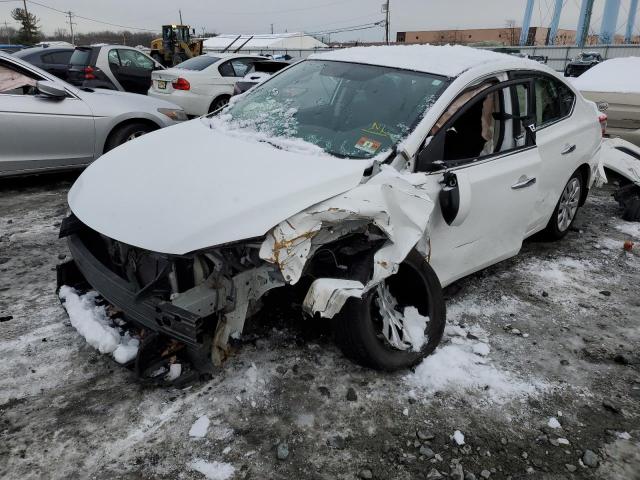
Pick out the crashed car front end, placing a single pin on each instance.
(202, 299)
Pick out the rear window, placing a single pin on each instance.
(197, 63)
(80, 57)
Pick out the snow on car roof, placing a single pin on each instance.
(447, 60)
(618, 75)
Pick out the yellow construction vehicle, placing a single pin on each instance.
(176, 45)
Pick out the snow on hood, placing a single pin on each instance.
(618, 75)
(190, 187)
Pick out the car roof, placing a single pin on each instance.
(447, 60)
(30, 51)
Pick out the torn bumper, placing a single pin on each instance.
(159, 316)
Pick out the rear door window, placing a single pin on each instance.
(226, 70)
(554, 100)
(58, 58)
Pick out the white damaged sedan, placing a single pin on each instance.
(365, 178)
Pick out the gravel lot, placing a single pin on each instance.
(562, 322)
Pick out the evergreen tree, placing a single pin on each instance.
(29, 33)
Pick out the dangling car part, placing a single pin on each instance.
(364, 179)
(621, 160)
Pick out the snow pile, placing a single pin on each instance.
(199, 427)
(414, 326)
(618, 75)
(631, 229)
(213, 470)
(462, 366)
(92, 322)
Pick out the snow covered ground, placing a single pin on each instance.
(538, 374)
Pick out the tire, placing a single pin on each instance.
(126, 133)
(566, 209)
(218, 103)
(358, 327)
(631, 211)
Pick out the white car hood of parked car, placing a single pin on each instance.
(190, 187)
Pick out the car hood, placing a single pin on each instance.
(189, 187)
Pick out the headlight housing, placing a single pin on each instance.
(175, 114)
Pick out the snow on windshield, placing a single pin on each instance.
(618, 75)
(347, 110)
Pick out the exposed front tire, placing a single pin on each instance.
(126, 133)
(218, 103)
(566, 209)
(374, 331)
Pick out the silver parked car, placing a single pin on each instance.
(48, 124)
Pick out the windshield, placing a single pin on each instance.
(197, 63)
(349, 110)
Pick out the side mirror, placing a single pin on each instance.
(51, 89)
(455, 197)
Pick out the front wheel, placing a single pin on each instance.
(565, 212)
(127, 133)
(396, 324)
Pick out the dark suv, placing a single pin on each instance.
(54, 60)
(114, 67)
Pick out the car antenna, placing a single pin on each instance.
(228, 46)
(240, 47)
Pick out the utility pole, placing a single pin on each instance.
(272, 29)
(180, 13)
(71, 24)
(28, 21)
(386, 22)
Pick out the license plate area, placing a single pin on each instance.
(162, 84)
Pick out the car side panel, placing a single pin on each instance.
(38, 132)
(564, 146)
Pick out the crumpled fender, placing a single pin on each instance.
(620, 162)
(395, 202)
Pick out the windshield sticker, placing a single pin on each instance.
(367, 145)
(377, 129)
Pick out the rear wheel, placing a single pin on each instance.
(565, 212)
(126, 133)
(386, 328)
(218, 103)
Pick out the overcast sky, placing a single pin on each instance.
(256, 16)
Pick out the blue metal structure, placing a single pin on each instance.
(584, 21)
(526, 22)
(609, 22)
(555, 22)
(631, 21)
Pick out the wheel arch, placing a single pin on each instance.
(124, 123)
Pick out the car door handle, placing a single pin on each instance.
(568, 149)
(524, 182)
